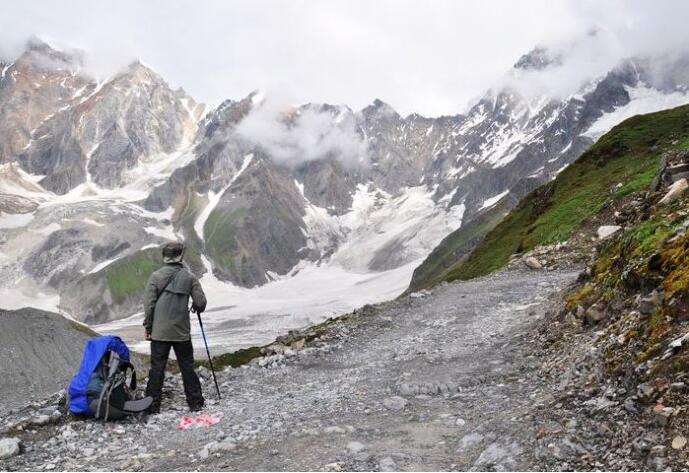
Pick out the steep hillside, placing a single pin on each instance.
(40, 353)
(622, 162)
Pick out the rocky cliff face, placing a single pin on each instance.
(258, 194)
(100, 138)
(32, 89)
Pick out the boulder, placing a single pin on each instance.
(595, 314)
(645, 392)
(676, 190)
(533, 263)
(41, 419)
(648, 304)
(662, 415)
(679, 442)
(355, 447)
(395, 403)
(224, 446)
(387, 464)
(10, 447)
(606, 231)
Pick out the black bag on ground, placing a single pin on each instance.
(108, 393)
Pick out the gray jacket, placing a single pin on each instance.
(166, 306)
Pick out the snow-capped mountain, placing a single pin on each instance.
(95, 175)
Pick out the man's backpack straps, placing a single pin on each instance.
(169, 281)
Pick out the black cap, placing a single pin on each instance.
(173, 249)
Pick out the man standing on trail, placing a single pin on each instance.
(166, 310)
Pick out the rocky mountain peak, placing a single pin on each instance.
(380, 109)
(40, 55)
(138, 76)
(538, 59)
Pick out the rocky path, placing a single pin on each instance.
(440, 381)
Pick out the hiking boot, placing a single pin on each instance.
(154, 409)
(196, 408)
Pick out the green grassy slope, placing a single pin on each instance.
(628, 155)
(127, 277)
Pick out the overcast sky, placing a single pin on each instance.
(433, 56)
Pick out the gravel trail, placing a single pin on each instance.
(439, 381)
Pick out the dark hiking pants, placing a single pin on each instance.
(160, 351)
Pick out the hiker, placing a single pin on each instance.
(166, 310)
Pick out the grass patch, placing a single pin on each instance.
(128, 276)
(234, 359)
(219, 232)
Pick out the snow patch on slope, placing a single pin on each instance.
(643, 99)
(412, 221)
(494, 200)
(214, 198)
(8, 221)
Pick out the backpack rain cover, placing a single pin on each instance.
(93, 353)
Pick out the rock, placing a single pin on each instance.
(606, 231)
(595, 314)
(336, 466)
(580, 312)
(470, 440)
(460, 422)
(50, 410)
(10, 447)
(647, 304)
(600, 403)
(224, 447)
(658, 451)
(677, 387)
(679, 342)
(645, 392)
(676, 190)
(334, 429)
(387, 464)
(417, 295)
(630, 406)
(498, 457)
(641, 446)
(533, 263)
(355, 447)
(679, 442)
(395, 403)
(203, 372)
(42, 419)
(662, 414)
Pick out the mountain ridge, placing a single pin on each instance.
(374, 195)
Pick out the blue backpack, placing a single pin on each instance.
(100, 387)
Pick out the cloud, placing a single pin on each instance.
(292, 136)
(432, 58)
(573, 64)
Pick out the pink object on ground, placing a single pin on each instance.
(203, 420)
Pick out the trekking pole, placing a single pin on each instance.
(210, 360)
